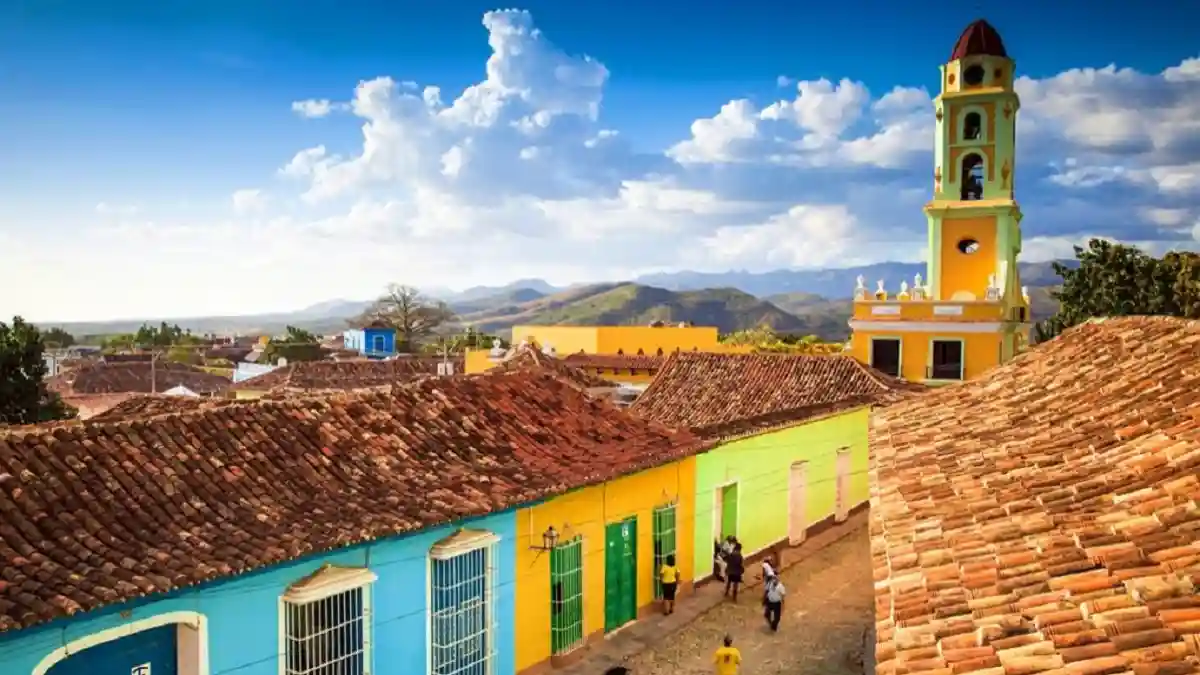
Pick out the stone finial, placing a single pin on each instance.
(903, 291)
(860, 289)
(918, 291)
(880, 291)
(1025, 292)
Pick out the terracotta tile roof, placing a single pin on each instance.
(1046, 517)
(96, 514)
(228, 352)
(721, 395)
(648, 364)
(142, 357)
(150, 405)
(135, 378)
(530, 357)
(344, 375)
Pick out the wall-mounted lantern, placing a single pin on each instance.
(549, 540)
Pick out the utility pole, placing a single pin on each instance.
(153, 372)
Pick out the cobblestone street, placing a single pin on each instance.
(829, 607)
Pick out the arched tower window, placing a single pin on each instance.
(972, 178)
(972, 126)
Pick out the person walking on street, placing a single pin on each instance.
(774, 601)
(727, 658)
(768, 573)
(668, 576)
(735, 567)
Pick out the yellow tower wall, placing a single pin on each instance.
(585, 513)
(967, 273)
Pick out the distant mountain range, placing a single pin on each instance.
(814, 302)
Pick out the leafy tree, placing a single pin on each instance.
(469, 339)
(414, 316)
(24, 398)
(57, 337)
(297, 344)
(117, 341)
(162, 335)
(765, 340)
(185, 354)
(1119, 280)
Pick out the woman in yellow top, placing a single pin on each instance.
(668, 575)
(727, 658)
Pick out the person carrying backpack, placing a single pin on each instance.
(773, 598)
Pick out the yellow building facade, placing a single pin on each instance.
(601, 575)
(969, 313)
(631, 340)
(623, 340)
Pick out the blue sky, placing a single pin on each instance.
(131, 128)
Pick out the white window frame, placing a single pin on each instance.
(798, 489)
(843, 470)
(191, 631)
(718, 512)
(325, 583)
(461, 543)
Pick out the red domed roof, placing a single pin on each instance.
(979, 39)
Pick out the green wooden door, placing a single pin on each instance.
(620, 573)
(729, 510)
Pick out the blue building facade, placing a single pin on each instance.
(436, 601)
(372, 341)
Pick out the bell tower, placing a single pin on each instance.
(968, 313)
(973, 219)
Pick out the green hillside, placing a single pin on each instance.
(634, 305)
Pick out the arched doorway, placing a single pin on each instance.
(147, 652)
(175, 643)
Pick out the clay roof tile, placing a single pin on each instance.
(721, 395)
(226, 489)
(1068, 481)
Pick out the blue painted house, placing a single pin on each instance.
(350, 535)
(365, 606)
(374, 341)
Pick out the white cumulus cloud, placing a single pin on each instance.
(519, 175)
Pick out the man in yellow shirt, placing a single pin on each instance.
(668, 576)
(727, 658)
